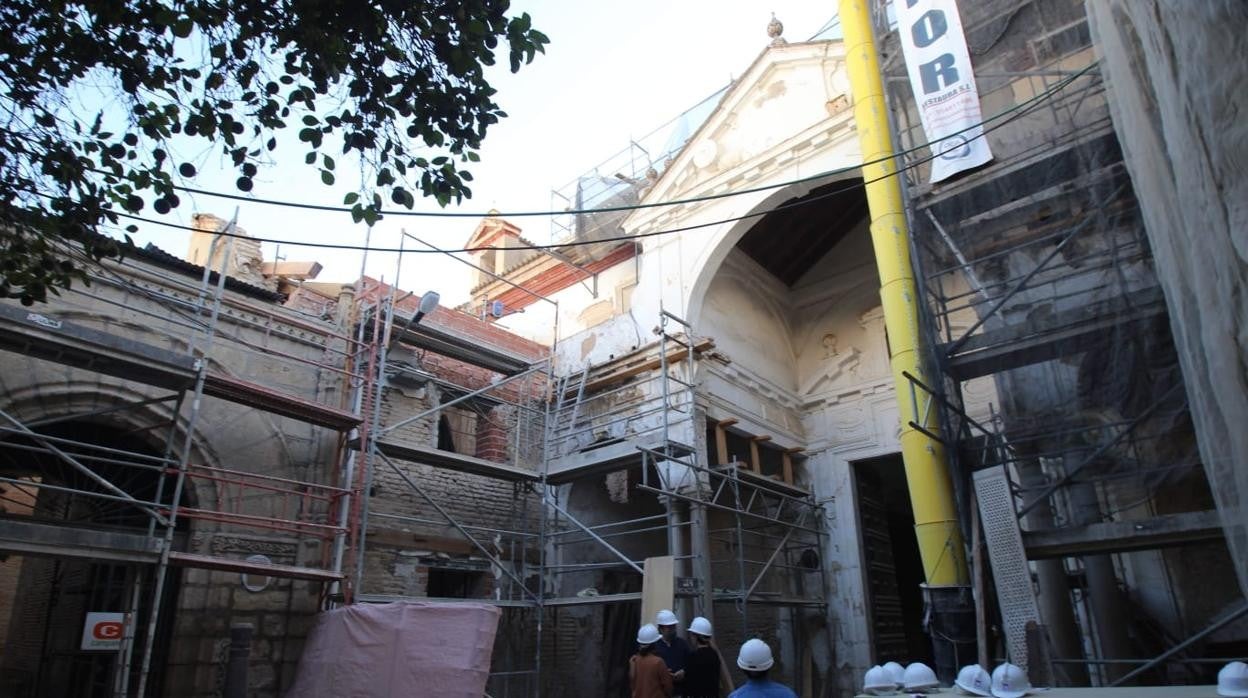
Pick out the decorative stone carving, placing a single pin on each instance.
(829, 346)
(775, 28)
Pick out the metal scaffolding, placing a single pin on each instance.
(1042, 306)
(73, 506)
(633, 419)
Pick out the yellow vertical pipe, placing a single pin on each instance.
(927, 472)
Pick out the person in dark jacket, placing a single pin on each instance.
(672, 648)
(704, 665)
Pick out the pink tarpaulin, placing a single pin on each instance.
(411, 649)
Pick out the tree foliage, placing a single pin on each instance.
(99, 97)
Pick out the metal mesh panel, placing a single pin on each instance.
(1010, 570)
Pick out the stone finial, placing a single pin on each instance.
(774, 29)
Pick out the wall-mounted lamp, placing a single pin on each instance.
(428, 303)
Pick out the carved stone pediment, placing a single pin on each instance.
(786, 99)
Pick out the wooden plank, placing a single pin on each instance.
(658, 587)
(721, 440)
(624, 368)
(756, 464)
(787, 463)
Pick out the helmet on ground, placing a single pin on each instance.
(665, 617)
(974, 679)
(701, 626)
(896, 672)
(1010, 681)
(877, 682)
(755, 655)
(919, 676)
(648, 635)
(1233, 680)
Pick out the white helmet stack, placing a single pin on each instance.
(1233, 680)
(919, 678)
(1010, 681)
(896, 672)
(878, 682)
(974, 680)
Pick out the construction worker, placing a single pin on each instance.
(672, 648)
(648, 676)
(702, 669)
(755, 660)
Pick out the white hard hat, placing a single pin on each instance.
(755, 655)
(1233, 680)
(974, 679)
(648, 635)
(877, 682)
(1010, 681)
(919, 676)
(896, 672)
(701, 626)
(665, 617)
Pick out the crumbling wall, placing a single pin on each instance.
(1175, 72)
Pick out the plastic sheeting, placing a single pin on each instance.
(409, 649)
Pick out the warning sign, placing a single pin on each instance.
(103, 631)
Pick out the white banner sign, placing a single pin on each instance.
(103, 631)
(943, 83)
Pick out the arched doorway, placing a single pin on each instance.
(46, 594)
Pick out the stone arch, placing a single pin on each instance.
(726, 237)
(42, 401)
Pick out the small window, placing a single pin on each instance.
(454, 584)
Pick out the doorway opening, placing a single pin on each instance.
(892, 567)
(46, 597)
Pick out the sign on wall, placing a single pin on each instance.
(944, 85)
(103, 631)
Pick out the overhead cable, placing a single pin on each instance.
(1025, 105)
(1014, 114)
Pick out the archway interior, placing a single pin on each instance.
(795, 306)
(44, 599)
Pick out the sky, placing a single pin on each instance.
(613, 72)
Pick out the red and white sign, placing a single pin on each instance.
(103, 631)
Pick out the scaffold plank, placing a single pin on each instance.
(222, 564)
(60, 540)
(605, 458)
(471, 350)
(454, 461)
(1124, 536)
(1063, 334)
(276, 402)
(745, 474)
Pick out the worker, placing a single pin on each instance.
(648, 676)
(755, 660)
(702, 669)
(672, 648)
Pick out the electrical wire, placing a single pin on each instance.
(1022, 106)
(1013, 113)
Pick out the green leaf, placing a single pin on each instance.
(327, 177)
